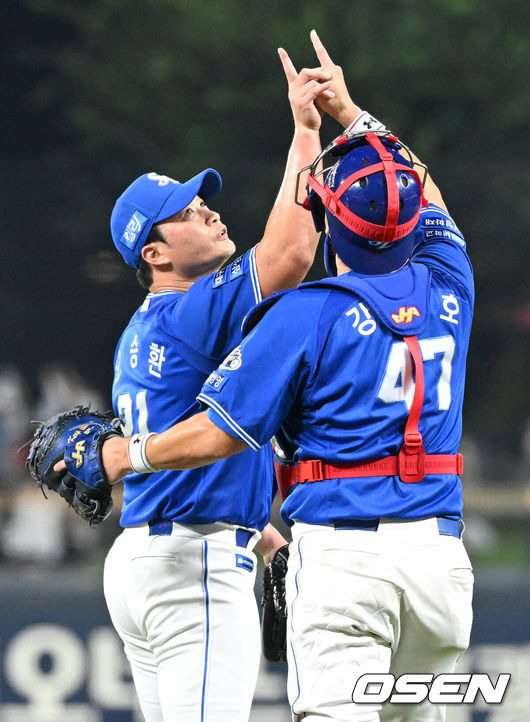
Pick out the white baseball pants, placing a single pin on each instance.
(396, 600)
(183, 604)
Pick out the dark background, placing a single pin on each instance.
(96, 92)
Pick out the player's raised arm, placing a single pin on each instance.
(287, 249)
(345, 111)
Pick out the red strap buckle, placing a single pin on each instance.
(311, 470)
(411, 460)
(413, 442)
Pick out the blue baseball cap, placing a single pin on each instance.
(152, 198)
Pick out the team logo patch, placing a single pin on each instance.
(380, 245)
(233, 361)
(133, 229)
(162, 180)
(406, 314)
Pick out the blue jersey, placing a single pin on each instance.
(172, 343)
(326, 370)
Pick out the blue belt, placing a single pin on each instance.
(164, 528)
(446, 527)
(160, 528)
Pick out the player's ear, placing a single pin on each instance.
(152, 253)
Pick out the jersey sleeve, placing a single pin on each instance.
(209, 316)
(256, 386)
(440, 245)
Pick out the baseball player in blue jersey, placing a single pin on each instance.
(179, 580)
(360, 378)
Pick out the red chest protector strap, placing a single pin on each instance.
(411, 464)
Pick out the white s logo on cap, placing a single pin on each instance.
(162, 180)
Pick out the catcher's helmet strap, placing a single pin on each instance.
(355, 223)
(391, 230)
(387, 162)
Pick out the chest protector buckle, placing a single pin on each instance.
(411, 459)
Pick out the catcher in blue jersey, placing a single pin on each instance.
(360, 379)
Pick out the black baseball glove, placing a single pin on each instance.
(274, 620)
(77, 436)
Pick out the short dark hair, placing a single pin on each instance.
(144, 272)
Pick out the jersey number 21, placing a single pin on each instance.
(125, 411)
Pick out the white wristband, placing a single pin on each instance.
(365, 122)
(137, 456)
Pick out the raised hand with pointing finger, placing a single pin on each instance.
(305, 88)
(338, 103)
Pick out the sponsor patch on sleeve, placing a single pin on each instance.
(436, 224)
(444, 233)
(216, 381)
